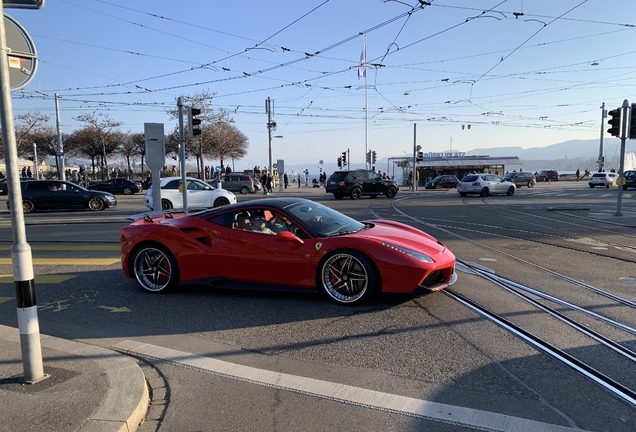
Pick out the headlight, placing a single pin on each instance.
(414, 254)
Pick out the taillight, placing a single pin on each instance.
(251, 181)
(342, 183)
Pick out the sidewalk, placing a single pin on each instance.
(89, 388)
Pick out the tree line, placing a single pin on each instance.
(100, 138)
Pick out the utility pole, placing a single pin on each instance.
(600, 151)
(414, 181)
(59, 155)
(36, 170)
(21, 257)
(271, 125)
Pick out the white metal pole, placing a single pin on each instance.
(59, 156)
(21, 258)
(600, 151)
(36, 170)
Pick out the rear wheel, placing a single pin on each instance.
(530, 184)
(347, 277)
(221, 202)
(96, 204)
(511, 191)
(438, 186)
(155, 269)
(244, 190)
(391, 192)
(356, 193)
(484, 192)
(165, 204)
(128, 191)
(28, 206)
(609, 185)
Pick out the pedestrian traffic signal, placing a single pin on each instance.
(344, 158)
(192, 122)
(632, 122)
(339, 162)
(374, 157)
(615, 122)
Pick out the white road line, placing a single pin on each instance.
(482, 420)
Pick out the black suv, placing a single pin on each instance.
(521, 178)
(356, 183)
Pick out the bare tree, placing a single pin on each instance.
(27, 127)
(131, 146)
(103, 128)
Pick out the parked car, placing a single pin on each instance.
(630, 179)
(288, 242)
(547, 175)
(604, 179)
(521, 178)
(118, 185)
(200, 194)
(442, 182)
(238, 183)
(357, 183)
(484, 185)
(62, 195)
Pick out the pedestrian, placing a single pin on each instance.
(228, 170)
(270, 183)
(409, 182)
(299, 180)
(578, 174)
(417, 179)
(23, 172)
(264, 183)
(29, 174)
(286, 180)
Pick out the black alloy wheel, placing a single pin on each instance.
(155, 269)
(347, 277)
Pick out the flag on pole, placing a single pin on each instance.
(362, 67)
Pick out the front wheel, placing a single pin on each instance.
(391, 192)
(592, 186)
(531, 184)
(221, 202)
(484, 192)
(511, 191)
(28, 206)
(244, 190)
(347, 277)
(155, 269)
(356, 193)
(96, 204)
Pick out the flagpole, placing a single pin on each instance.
(366, 108)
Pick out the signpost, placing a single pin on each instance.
(23, 4)
(155, 158)
(21, 54)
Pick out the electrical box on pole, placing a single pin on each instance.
(155, 157)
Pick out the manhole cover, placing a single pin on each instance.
(629, 280)
(520, 246)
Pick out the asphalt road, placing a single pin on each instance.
(459, 370)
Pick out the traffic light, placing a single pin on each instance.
(374, 157)
(632, 122)
(339, 162)
(344, 158)
(192, 131)
(615, 122)
(369, 156)
(420, 156)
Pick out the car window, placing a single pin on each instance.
(337, 176)
(172, 184)
(470, 178)
(373, 175)
(630, 174)
(196, 185)
(322, 221)
(36, 186)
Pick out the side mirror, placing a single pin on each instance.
(288, 237)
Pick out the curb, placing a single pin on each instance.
(126, 402)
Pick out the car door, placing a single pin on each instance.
(495, 184)
(374, 183)
(199, 194)
(250, 256)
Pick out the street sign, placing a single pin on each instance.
(275, 166)
(21, 54)
(218, 168)
(23, 4)
(321, 161)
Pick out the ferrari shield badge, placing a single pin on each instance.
(318, 246)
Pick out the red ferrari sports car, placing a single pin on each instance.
(285, 242)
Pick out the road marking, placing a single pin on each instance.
(115, 309)
(419, 408)
(69, 247)
(69, 261)
(5, 299)
(40, 279)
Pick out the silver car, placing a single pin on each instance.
(200, 194)
(604, 179)
(484, 185)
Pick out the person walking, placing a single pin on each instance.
(578, 174)
(286, 180)
(264, 183)
(299, 180)
(409, 182)
(270, 183)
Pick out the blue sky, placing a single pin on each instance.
(526, 73)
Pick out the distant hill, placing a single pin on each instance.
(566, 150)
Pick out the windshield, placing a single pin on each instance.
(322, 221)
